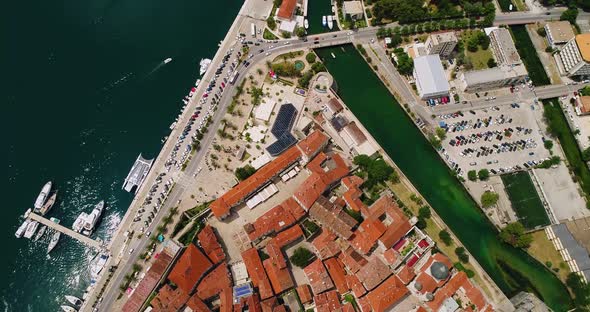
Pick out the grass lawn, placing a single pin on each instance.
(268, 35)
(543, 250)
(480, 58)
(558, 125)
(525, 199)
(529, 56)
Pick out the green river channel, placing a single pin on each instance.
(512, 269)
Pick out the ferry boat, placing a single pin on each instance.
(97, 267)
(40, 233)
(68, 308)
(74, 300)
(48, 204)
(305, 23)
(55, 237)
(324, 21)
(21, 229)
(204, 65)
(168, 60)
(85, 222)
(330, 22)
(31, 229)
(43, 195)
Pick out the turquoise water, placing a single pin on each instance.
(512, 269)
(84, 91)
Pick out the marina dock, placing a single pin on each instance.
(58, 227)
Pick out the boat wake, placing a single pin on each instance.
(118, 83)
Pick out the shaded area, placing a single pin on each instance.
(384, 118)
(525, 199)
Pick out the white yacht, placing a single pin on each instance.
(43, 195)
(31, 229)
(324, 21)
(21, 229)
(305, 23)
(204, 65)
(330, 22)
(85, 222)
(48, 204)
(40, 233)
(168, 60)
(74, 300)
(68, 308)
(55, 237)
(97, 267)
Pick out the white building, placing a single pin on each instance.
(441, 43)
(354, 9)
(503, 47)
(493, 78)
(559, 33)
(574, 58)
(431, 80)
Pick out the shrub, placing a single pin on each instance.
(462, 254)
(489, 199)
(445, 237)
(472, 175)
(301, 257)
(243, 173)
(310, 57)
(483, 174)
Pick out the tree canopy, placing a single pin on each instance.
(310, 57)
(301, 257)
(514, 234)
(404, 63)
(377, 170)
(483, 174)
(243, 173)
(445, 237)
(489, 199)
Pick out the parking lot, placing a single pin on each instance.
(501, 139)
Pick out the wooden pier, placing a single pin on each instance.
(69, 232)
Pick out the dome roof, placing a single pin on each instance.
(418, 286)
(429, 296)
(439, 271)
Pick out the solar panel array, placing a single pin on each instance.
(244, 290)
(281, 129)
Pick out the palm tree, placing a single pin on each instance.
(137, 267)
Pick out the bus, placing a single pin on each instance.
(233, 77)
(253, 29)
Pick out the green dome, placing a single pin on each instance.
(439, 271)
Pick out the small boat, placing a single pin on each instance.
(21, 229)
(55, 237)
(31, 229)
(97, 267)
(204, 65)
(333, 56)
(324, 21)
(306, 23)
(48, 204)
(68, 308)
(197, 82)
(40, 233)
(74, 300)
(330, 22)
(42, 196)
(168, 60)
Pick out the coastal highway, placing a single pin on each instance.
(178, 192)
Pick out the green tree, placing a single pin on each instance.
(569, 15)
(300, 32)
(404, 63)
(472, 175)
(305, 79)
(541, 31)
(581, 291)
(514, 234)
(445, 237)
(310, 57)
(586, 154)
(441, 133)
(301, 257)
(489, 198)
(548, 144)
(483, 174)
(318, 67)
(424, 212)
(462, 254)
(271, 23)
(243, 173)
(492, 63)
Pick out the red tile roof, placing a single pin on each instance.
(310, 190)
(304, 293)
(226, 300)
(210, 244)
(280, 308)
(197, 305)
(390, 256)
(287, 9)
(347, 307)
(281, 240)
(269, 304)
(459, 283)
(334, 105)
(216, 281)
(221, 207)
(406, 274)
(318, 277)
(399, 225)
(294, 208)
(327, 302)
(367, 234)
(373, 273)
(333, 217)
(429, 283)
(257, 273)
(352, 260)
(355, 285)
(387, 294)
(273, 221)
(325, 244)
(337, 273)
(168, 299)
(364, 304)
(189, 269)
(280, 278)
(313, 143)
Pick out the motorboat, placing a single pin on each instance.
(42, 197)
(74, 300)
(324, 21)
(21, 229)
(85, 222)
(48, 204)
(40, 233)
(330, 22)
(305, 23)
(204, 65)
(168, 60)
(197, 82)
(31, 229)
(68, 308)
(97, 267)
(55, 237)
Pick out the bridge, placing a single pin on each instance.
(60, 228)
